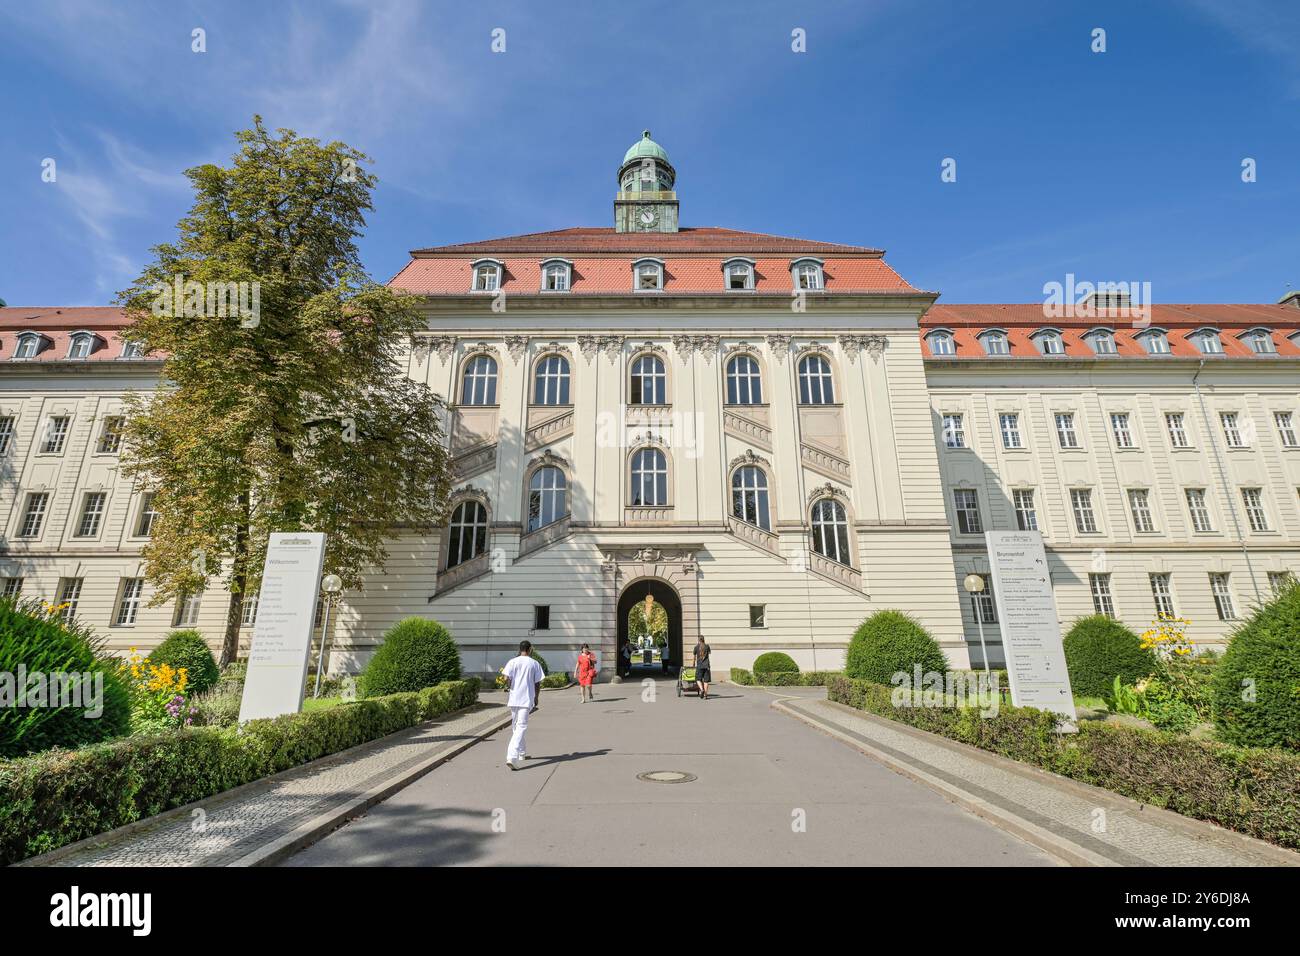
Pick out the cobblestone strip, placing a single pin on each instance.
(1105, 824)
(227, 827)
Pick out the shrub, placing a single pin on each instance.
(52, 799)
(416, 653)
(189, 650)
(1098, 649)
(558, 679)
(888, 642)
(1256, 685)
(741, 676)
(774, 662)
(541, 660)
(33, 638)
(219, 707)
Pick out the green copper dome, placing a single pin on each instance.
(644, 147)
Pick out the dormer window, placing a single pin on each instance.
(739, 274)
(807, 274)
(557, 275)
(81, 345)
(648, 275)
(1154, 341)
(1207, 341)
(1102, 341)
(941, 342)
(1260, 341)
(131, 350)
(487, 275)
(29, 344)
(1049, 341)
(995, 342)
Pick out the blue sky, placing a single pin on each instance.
(1123, 165)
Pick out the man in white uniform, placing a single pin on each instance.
(524, 676)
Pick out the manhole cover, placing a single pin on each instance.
(666, 776)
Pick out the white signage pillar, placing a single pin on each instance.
(277, 661)
(1031, 630)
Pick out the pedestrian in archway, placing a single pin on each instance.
(586, 674)
(626, 654)
(702, 673)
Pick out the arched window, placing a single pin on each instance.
(739, 274)
(648, 275)
(1049, 342)
(81, 345)
(649, 382)
(744, 381)
(830, 530)
(547, 497)
(1154, 341)
(941, 342)
(649, 478)
(815, 384)
(1101, 340)
(487, 275)
(29, 343)
(995, 342)
(1207, 342)
(807, 274)
(480, 385)
(467, 532)
(556, 275)
(749, 496)
(551, 385)
(1259, 341)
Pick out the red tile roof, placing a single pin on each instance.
(687, 239)
(57, 325)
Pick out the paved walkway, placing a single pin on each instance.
(766, 790)
(246, 826)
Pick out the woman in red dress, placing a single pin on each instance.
(586, 673)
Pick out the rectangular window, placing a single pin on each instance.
(758, 615)
(1198, 510)
(1285, 430)
(13, 588)
(983, 607)
(34, 514)
(148, 515)
(953, 434)
(1010, 425)
(1026, 514)
(968, 511)
(1119, 426)
(56, 433)
(1084, 519)
(1065, 430)
(69, 595)
(1163, 594)
(6, 434)
(1277, 580)
(1177, 433)
(1102, 602)
(248, 610)
(1253, 499)
(187, 609)
(129, 603)
(541, 617)
(1139, 503)
(1219, 587)
(110, 438)
(91, 513)
(1231, 433)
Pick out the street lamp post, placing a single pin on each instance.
(974, 585)
(331, 585)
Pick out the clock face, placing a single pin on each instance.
(647, 217)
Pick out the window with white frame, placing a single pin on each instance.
(1177, 431)
(1026, 513)
(69, 596)
(1221, 588)
(830, 531)
(248, 609)
(29, 344)
(816, 386)
(1253, 500)
(1050, 342)
(487, 276)
(995, 343)
(34, 514)
(1285, 430)
(1231, 433)
(1119, 427)
(1085, 520)
(556, 276)
(967, 506)
(6, 433)
(479, 386)
(1065, 433)
(1162, 594)
(1102, 601)
(649, 478)
(1102, 341)
(649, 381)
(128, 602)
(749, 500)
(1139, 505)
(110, 435)
(808, 275)
(1260, 341)
(744, 381)
(1207, 342)
(984, 607)
(954, 436)
(92, 512)
(131, 350)
(80, 345)
(941, 343)
(466, 532)
(1198, 510)
(1278, 581)
(1154, 341)
(740, 274)
(56, 433)
(551, 382)
(649, 276)
(547, 497)
(187, 608)
(11, 588)
(1009, 424)
(148, 515)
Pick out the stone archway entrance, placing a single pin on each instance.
(664, 595)
(675, 567)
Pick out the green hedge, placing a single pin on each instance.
(888, 642)
(1253, 791)
(1256, 686)
(51, 799)
(189, 650)
(774, 662)
(741, 676)
(1098, 649)
(416, 652)
(781, 678)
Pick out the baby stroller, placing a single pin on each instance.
(686, 682)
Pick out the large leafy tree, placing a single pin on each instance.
(294, 413)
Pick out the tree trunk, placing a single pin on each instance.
(239, 583)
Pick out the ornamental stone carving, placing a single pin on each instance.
(589, 345)
(779, 346)
(853, 344)
(707, 346)
(826, 491)
(612, 346)
(548, 459)
(748, 458)
(444, 345)
(516, 345)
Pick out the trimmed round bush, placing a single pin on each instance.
(37, 642)
(774, 662)
(888, 642)
(541, 660)
(189, 650)
(1256, 686)
(416, 653)
(1098, 649)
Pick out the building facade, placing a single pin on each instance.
(772, 437)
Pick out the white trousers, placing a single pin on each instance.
(517, 750)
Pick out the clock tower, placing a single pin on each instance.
(646, 201)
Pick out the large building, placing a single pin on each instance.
(773, 437)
